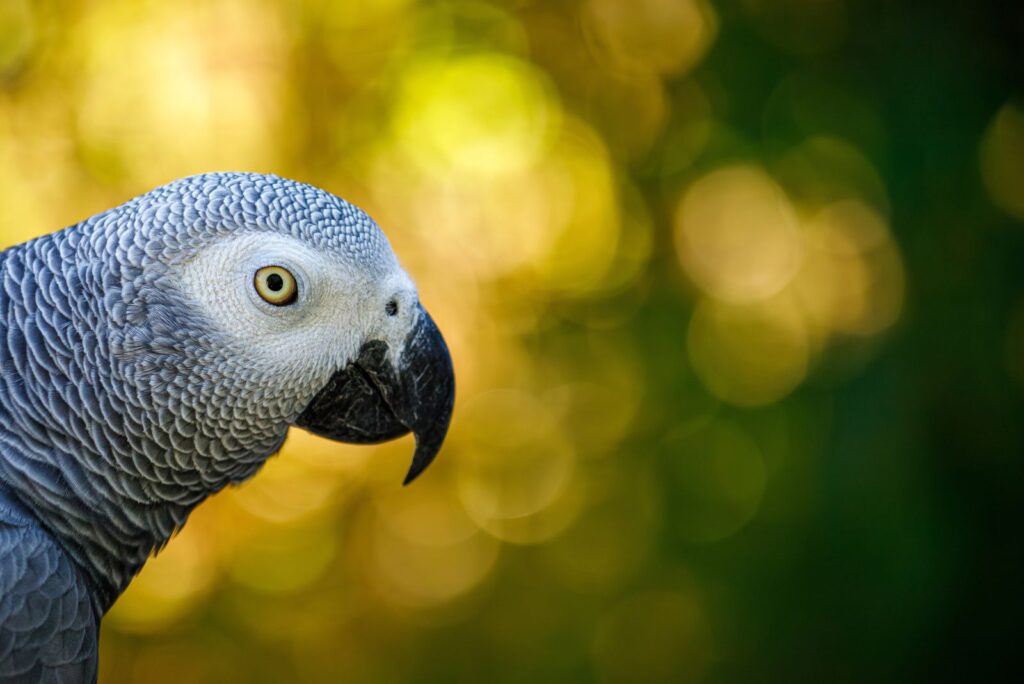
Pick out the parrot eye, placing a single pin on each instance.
(276, 285)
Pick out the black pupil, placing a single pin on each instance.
(275, 282)
(391, 308)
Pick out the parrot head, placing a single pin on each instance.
(248, 304)
(160, 351)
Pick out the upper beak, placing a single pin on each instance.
(371, 401)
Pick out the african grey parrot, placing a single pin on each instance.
(157, 352)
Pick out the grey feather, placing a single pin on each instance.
(120, 409)
(48, 622)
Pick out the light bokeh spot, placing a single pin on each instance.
(665, 36)
(504, 474)
(737, 235)
(479, 114)
(414, 574)
(852, 281)
(749, 354)
(1002, 159)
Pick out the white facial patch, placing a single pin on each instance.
(338, 307)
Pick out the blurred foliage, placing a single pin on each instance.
(735, 290)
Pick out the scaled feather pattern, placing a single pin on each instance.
(124, 403)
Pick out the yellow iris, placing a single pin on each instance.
(276, 285)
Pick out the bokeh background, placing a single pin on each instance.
(735, 292)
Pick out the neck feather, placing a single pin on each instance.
(111, 469)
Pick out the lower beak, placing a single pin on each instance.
(372, 401)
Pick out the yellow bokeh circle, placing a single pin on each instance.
(737, 235)
(750, 354)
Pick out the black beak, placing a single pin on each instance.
(371, 401)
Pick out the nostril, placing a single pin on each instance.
(391, 308)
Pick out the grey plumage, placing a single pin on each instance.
(48, 622)
(123, 405)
